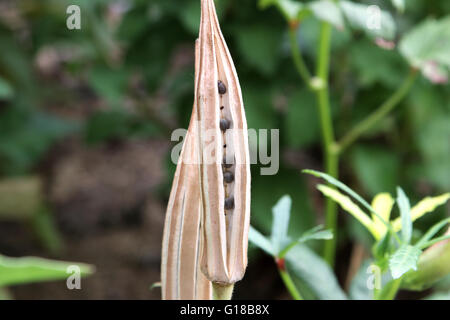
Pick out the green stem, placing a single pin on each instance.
(380, 113)
(331, 157)
(290, 284)
(297, 56)
(390, 290)
(222, 292)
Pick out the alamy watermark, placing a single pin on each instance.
(212, 140)
(73, 21)
(74, 279)
(374, 279)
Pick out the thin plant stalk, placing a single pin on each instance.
(390, 290)
(297, 55)
(287, 280)
(380, 112)
(331, 157)
(331, 148)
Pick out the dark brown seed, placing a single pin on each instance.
(222, 107)
(224, 145)
(229, 203)
(225, 164)
(222, 87)
(228, 176)
(224, 124)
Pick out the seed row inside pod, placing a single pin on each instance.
(228, 174)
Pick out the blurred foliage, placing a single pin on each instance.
(15, 271)
(129, 74)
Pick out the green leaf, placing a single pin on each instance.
(352, 193)
(349, 206)
(314, 272)
(267, 190)
(313, 234)
(25, 137)
(433, 267)
(403, 260)
(377, 168)
(426, 205)
(255, 237)
(290, 9)
(6, 91)
(440, 295)
(302, 129)
(15, 271)
(281, 214)
(360, 17)
(405, 215)
(259, 46)
(429, 41)
(190, 15)
(399, 5)
(382, 248)
(358, 286)
(109, 84)
(327, 11)
(432, 231)
(316, 233)
(390, 70)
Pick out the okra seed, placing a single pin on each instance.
(225, 164)
(229, 203)
(228, 176)
(224, 124)
(222, 87)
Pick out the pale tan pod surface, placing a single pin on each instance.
(181, 277)
(225, 238)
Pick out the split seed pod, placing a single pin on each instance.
(225, 226)
(181, 277)
(208, 214)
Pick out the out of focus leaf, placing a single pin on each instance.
(429, 204)
(365, 18)
(109, 84)
(314, 272)
(284, 182)
(348, 205)
(258, 107)
(15, 271)
(255, 237)
(405, 215)
(302, 127)
(375, 65)
(24, 138)
(328, 11)
(358, 286)
(104, 126)
(289, 8)
(403, 260)
(429, 41)
(427, 44)
(6, 91)
(382, 203)
(316, 233)
(440, 295)
(399, 4)
(280, 223)
(376, 168)
(259, 45)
